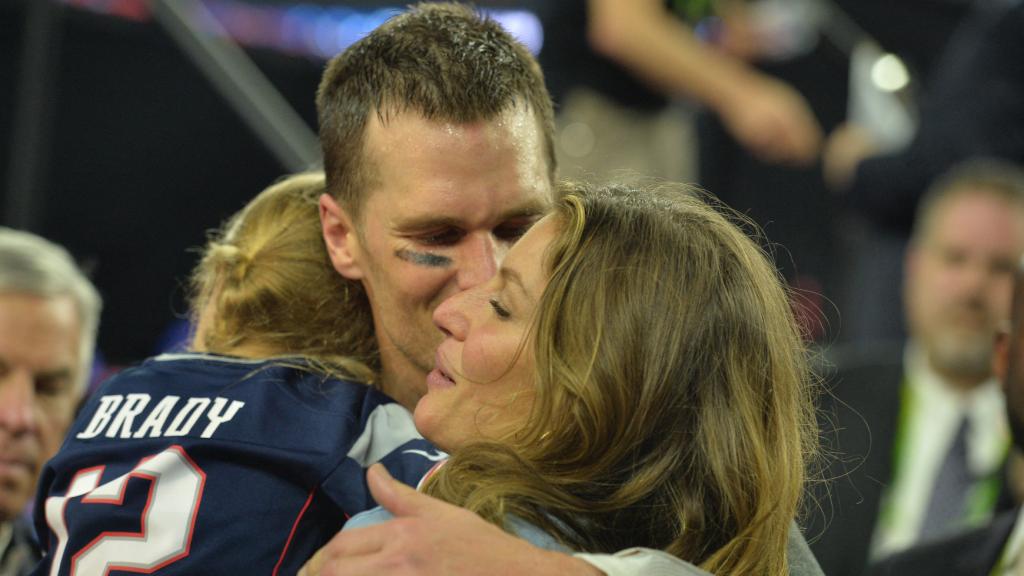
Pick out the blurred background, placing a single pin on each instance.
(121, 139)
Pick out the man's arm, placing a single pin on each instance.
(767, 116)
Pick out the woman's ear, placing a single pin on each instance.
(340, 238)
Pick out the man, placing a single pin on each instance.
(431, 175)
(998, 547)
(927, 434)
(437, 138)
(48, 317)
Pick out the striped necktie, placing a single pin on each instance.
(952, 484)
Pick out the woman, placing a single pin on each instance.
(633, 376)
(249, 450)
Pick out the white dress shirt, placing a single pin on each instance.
(931, 414)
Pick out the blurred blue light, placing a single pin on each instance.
(308, 29)
(523, 25)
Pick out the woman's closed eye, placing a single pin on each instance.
(499, 310)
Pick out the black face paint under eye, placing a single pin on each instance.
(424, 259)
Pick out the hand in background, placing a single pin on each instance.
(773, 121)
(845, 148)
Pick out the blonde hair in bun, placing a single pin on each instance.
(265, 281)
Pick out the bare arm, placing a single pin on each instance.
(430, 537)
(764, 114)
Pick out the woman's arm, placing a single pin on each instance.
(430, 537)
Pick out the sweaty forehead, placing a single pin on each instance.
(474, 173)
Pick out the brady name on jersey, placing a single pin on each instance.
(206, 464)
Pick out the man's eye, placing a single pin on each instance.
(512, 232)
(447, 237)
(954, 257)
(499, 310)
(1002, 267)
(51, 385)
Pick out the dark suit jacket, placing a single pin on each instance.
(22, 553)
(973, 553)
(858, 416)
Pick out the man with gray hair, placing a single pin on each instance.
(49, 312)
(927, 430)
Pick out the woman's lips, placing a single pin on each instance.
(438, 377)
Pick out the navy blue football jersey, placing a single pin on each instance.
(201, 464)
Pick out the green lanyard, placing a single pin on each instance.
(998, 570)
(984, 491)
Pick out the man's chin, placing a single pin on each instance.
(966, 356)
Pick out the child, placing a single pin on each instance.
(249, 451)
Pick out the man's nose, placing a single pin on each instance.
(17, 402)
(478, 260)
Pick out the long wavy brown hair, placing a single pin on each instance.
(673, 398)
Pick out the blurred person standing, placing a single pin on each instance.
(621, 61)
(48, 319)
(926, 434)
(972, 105)
(643, 75)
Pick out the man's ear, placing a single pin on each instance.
(340, 238)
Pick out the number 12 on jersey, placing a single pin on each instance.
(168, 516)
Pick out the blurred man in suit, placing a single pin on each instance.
(925, 430)
(998, 547)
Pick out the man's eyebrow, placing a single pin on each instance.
(56, 375)
(427, 222)
(531, 209)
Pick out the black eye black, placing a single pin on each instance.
(512, 231)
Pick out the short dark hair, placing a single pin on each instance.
(441, 60)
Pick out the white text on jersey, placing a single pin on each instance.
(116, 414)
